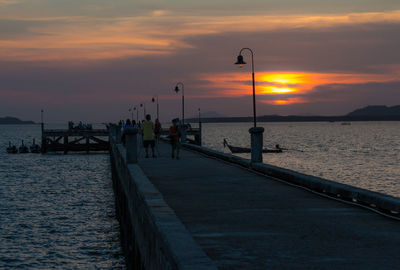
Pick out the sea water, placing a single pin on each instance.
(361, 154)
(56, 211)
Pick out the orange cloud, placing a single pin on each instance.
(159, 32)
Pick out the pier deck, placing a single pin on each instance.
(243, 220)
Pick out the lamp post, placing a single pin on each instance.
(41, 117)
(256, 132)
(199, 116)
(42, 127)
(144, 109)
(155, 98)
(131, 110)
(137, 113)
(240, 62)
(183, 99)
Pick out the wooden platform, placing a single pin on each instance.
(64, 140)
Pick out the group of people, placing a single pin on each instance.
(151, 132)
(80, 126)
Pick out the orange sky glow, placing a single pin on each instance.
(286, 83)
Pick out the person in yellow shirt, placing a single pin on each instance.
(148, 135)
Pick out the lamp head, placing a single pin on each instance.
(152, 99)
(141, 105)
(240, 61)
(176, 89)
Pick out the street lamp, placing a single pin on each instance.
(137, 113)
(183, 99)
(256, 132)
(144, 109)
(199, 115)
(41, 119)
(241, 62)
(131, 110)
(155, 98)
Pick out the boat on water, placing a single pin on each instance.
(237, 149)
(34, 147)
(11, 149)
(23, 148)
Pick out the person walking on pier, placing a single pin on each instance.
(148, 135)
(175, 134)
(126, 125)
(157, 130)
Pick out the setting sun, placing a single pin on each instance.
(276, 90)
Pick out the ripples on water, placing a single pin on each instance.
(363, 154)
(56, 211)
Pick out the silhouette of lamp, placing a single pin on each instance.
(131, 110)
(183, 99)
(144, 109)
(137, 113)
(241, 62)
(154, 99)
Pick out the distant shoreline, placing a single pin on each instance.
(277, 118)
(369, 113)
(14, 121)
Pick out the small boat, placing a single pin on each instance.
(11, 149)
(237, 149)
(23, 148)
(34, 147)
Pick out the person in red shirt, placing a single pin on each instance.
(157, 130)
(175, 135)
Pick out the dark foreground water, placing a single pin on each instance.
(56, 211)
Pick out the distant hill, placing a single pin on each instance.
(377, 111)
(369, 113)
(14, 121)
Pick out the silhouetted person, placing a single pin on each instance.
(157, 130)
(127, 125)
(148, 135)
(175, 135)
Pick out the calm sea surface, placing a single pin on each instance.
(56, 211)
(362, 154)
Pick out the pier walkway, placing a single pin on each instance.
(243, 220)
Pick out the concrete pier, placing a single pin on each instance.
(234, 218)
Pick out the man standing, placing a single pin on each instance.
(175, 134)
(148, 135)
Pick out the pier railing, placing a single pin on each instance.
(152, 236)
(375, 201)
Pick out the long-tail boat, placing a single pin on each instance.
(237, 149)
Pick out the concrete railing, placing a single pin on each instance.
(152, 236)
(383, 203)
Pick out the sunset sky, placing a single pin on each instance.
(93, 60)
